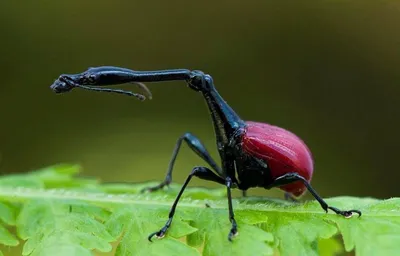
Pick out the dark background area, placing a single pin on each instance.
(328, 71)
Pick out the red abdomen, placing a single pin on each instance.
(282, 150)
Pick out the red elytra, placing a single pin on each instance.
(282, 150)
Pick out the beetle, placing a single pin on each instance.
(252, 154)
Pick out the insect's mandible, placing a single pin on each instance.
(252, 154)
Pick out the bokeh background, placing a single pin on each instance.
(326, 70)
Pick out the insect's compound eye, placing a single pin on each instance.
(91, 79)
(87, 78)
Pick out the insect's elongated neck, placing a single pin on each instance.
(225, 119)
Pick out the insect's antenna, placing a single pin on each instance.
(119, 91)
(145, 89)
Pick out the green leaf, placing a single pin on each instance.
(296, 226)
(7, 216)
(214, 227)
(377, 232)
(60, 214)
(46, 224)
(57, 176)
(304, 229)
(60, 248)
(7, 238)
(170, 191)
(329, 247)
(20, 180)
(62, 176)
(137, 223)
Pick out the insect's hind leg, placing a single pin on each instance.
(293, 177)
(289, 197)
(197, 146)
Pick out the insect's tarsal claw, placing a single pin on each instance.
(346, 214)
(152, 189)
(161, 235)
(148, 190)
(150, 237)
(234, 233)
(350, 214)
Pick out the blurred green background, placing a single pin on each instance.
(326, 70)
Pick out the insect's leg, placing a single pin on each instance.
(233, 231)
(195, 144)
(200, 172)
(290, 197)
(293, 177)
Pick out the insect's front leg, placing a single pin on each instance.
(200, 172)
(197, 147)
(234, 231)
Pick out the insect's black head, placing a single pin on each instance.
(62, 85)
